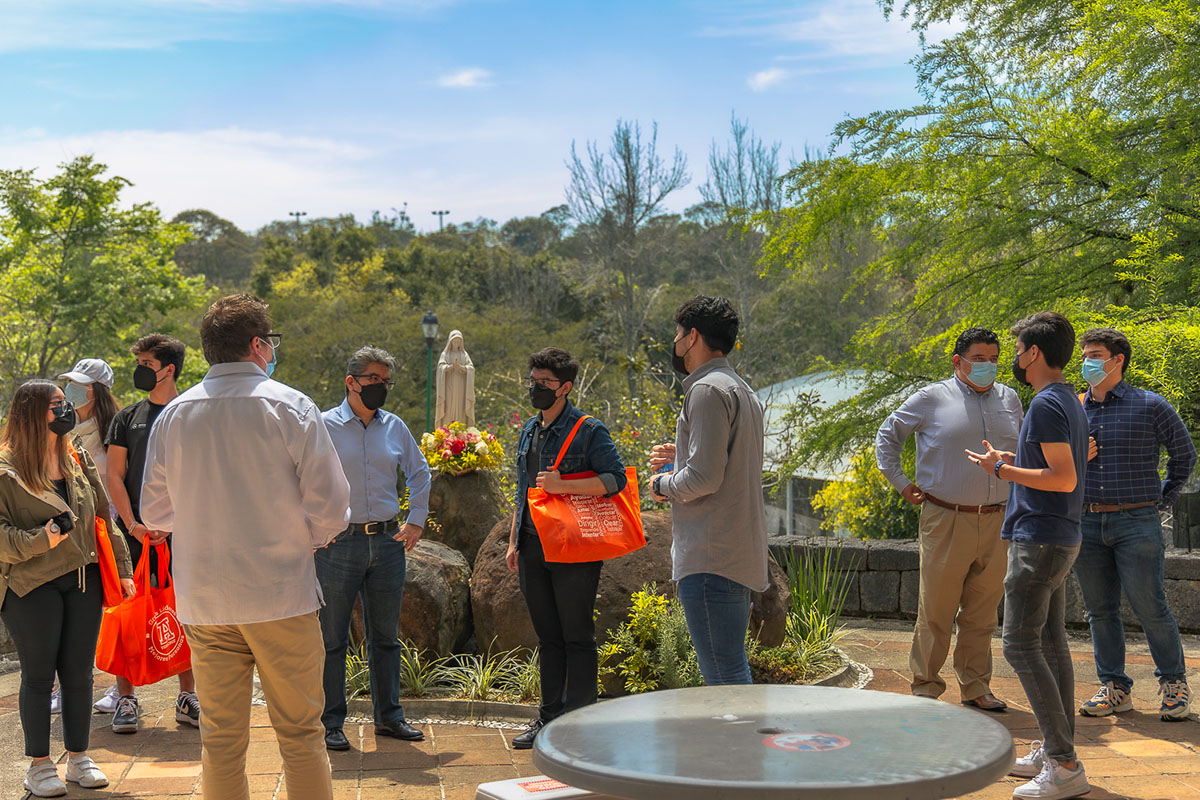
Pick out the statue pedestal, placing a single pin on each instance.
(466, 507)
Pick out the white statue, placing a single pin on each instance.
(455, 384)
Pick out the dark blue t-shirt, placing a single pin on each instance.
(1037, 516)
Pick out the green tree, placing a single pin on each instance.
(79, 273)
(218, 249)
(1052, 164)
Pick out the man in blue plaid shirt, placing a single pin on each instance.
(1122, 534)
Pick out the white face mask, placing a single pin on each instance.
(76, 394)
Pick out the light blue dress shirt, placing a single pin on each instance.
(948, 418)
(370, 455)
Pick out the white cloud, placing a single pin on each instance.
(467, 78)
(254, 177)
(761, 81)
(836, 31)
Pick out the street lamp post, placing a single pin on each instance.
(429, 327)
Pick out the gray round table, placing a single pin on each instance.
(759, 742)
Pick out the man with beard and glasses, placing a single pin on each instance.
(369, 556)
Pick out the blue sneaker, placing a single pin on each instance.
(1176, 699)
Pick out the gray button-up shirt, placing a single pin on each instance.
(718, 521)
(947, 418)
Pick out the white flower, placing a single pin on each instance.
(481, 448)
(427, 441)
(473, 431)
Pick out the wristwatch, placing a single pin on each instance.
(654, 485)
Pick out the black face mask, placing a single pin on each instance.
(144, 378)
(64, 419)
(373, 395)
(541, 397)
(677, 360)
(1019, 371)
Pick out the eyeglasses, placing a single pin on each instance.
(274, 338)
(542, 382)
(373, 379)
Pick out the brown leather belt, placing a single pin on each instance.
(992, 509)
(372, 528)
(1108, 508)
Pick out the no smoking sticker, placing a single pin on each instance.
(806, 742)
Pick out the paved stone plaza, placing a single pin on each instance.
(1134, 755)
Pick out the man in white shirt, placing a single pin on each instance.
(242, 470)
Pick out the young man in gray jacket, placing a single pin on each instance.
(718, 523)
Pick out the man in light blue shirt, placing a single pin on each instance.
(368, 556)
(962, 555)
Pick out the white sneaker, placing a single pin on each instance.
(56, 701)
(1030, 765)
(1055, 782)
(42, 780)
(107, 704)
(82, 770)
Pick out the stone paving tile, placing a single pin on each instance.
(1131, 756)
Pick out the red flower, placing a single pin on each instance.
(457, 446)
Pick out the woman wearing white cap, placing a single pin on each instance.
(89, 390)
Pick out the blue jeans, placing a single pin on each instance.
(373, 565)
(1124, 549)
(1035, 638)
(718, 614)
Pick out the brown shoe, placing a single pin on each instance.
(987, 702)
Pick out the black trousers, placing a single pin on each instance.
(55, 628)
(561, 599)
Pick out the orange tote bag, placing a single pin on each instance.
(142, 639)
(576, 527)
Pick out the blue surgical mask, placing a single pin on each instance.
(76, 394)
(1093, 370)
(271, 364)
(983, 374)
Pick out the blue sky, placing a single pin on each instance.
(254, 108)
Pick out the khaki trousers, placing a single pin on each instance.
(290, 658)
(963, 562)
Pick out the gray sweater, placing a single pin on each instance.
(718, 521)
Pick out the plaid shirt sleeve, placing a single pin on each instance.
(1181, 452)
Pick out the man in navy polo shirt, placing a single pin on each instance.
(1042, 526)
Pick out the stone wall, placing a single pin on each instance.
(883, 579)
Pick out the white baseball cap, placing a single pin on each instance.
(90, 370)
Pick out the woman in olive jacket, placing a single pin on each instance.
(50, 585)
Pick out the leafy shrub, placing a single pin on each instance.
(652, 648)
(419, 674)
(865, 504)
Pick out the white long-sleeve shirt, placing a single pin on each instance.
(242, 470)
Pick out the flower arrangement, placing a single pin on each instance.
(459, 449)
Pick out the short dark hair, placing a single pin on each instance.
(1051, 333)
(166, 350)
(714, 318)
(559, 361)
(974, 336)
(230, 326)
(1113, 340)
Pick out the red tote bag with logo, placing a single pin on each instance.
(142, 639)
(575, 527)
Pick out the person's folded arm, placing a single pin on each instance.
(710, 419)
(156, 508)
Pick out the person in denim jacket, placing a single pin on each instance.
(561, 597)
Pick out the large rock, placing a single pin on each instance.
(436, 612)
(499, 609)
(466, 507)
